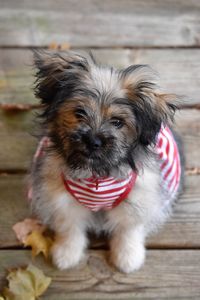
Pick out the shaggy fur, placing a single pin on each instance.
(101, 122)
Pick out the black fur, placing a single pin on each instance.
(55, 73)
(149, 117)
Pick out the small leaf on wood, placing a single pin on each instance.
(39, 243)
(56, 46)
(193, 171)
(15, 107)
(24, 228)
(26, 284)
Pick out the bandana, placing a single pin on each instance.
(100, 193)
(107, 192)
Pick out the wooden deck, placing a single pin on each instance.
(164, 34)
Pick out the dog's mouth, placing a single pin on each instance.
(96, 161)
(89, 155)
(100, 158)
(97, 154)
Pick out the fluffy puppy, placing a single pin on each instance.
(107, 160)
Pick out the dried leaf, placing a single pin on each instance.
(53, 46)
(26, 284)
(1, 298)
(193, 171)
(39, 243)
(24, 228)
(30, 233)
(56, 46)
(3, 84)
(65, 46)
(14, 107)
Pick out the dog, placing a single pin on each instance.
(107, 160)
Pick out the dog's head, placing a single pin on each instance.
(99, 118)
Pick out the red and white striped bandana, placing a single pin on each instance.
(170, 166)
(100, 193)
(108, 192)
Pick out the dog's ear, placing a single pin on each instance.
(56, 70)
(151, 107)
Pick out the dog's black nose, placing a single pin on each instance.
(97, 142)
(93, 142)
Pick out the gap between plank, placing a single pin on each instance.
(17, 108)
(106, 247)
(112, 47)
(5, 172)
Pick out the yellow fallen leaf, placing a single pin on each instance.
(65, 46)
(24, 228)
(26, 284)
(3, 84)
(53, 46)
(39, 243)
(56, 46)
(1, 298)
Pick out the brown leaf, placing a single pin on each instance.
(14, 107)
(39, 243)
(56, 46)
(24, 228)
(65, 46)
(26, 284)
(53, 46)
(193, 171)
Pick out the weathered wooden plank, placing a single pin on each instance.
(16, 78)
(166, 275)
(100, 23)
(181, 231)
(17, 143)
(187, 123)
(179, 71)
(14, 207)
(176, 69)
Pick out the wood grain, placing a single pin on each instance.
(164, 34)
(16, 76)
(183, 228)
(166, 275)
(103, 23)
(181, 231)
(17, 143)
(14, 206)
(187, 124)
(179, 71)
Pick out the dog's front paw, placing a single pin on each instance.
(65, 256)
(128, 258)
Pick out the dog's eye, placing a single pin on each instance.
(80, 113)
(118, 123)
